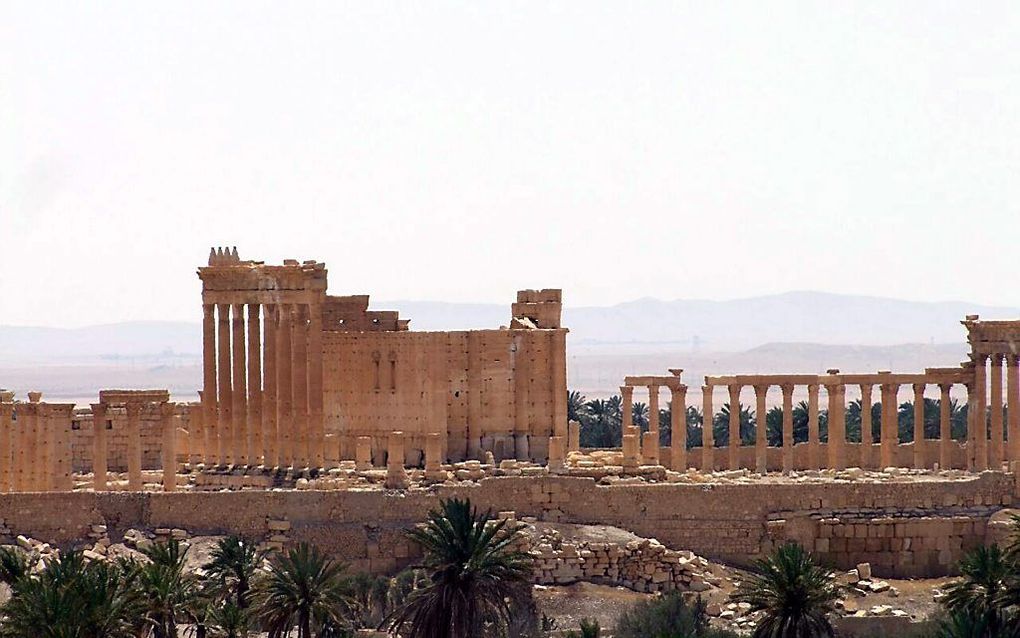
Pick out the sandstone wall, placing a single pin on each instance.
(83, 437)
(734, 523)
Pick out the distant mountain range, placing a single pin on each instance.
(642, 325)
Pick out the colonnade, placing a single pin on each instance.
(262, 395)
(985, 449)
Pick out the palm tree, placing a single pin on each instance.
(476, 573)
(229, 621)
(640, 415)
(981, 593)
(168, 591)
(234, 562)
(721, 425)
(796, 595)
(14, 564)
(576, 406)
(306, 589)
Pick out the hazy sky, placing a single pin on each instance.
(460, 151)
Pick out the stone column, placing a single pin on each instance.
(787, 427)
(981, 414)
(6, 427)
(396, 476)
(631, 452)
(433, 457)
(1013, 405)
(997, 456)
(573, 436)
(60, 430)
(890, 433)
(270, 437)
(522, 378)
(299, 345)
(208, 453)
(919, 444)
(734, 446)
(627, 407)
(224, 423)
(474, 395)
(653, 409)
(761, 441)
(707, 435)
(837, 426)
(168, 424)
(814, 455)
(316, 418)
(239, 431)
(284, 387)
(19, 448)
(971, 440)
(363, 454)
(134, 447)
(556, 454)
(945, 427)
(44, 440)
(254, 423)
(678, 427)
(866, 426)
(32, 448)
(99, 448)
(650, 447)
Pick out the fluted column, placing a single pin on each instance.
(678, 427)
(299, 356)
(239, 431)
(168, 425)
(99, 448)
(134, 447)
(996, 450)
(981, 414)
(316, 418)
(787, 427)
(866, 426)
(760, 429)
(270, 437)
(919, 444)
(734, 427)
(254, 420)
(890, 430)
(207, 436)
(284, 387)
(707, 437)
(224, 422)
(837, 425)
(1013, 405)
(945, 427)
(814, 455)
(6, 427)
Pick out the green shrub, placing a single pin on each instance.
(669, 616)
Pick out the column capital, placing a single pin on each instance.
(133, 409)
(734, 389)
(919, 388)
(997, 358)
(980, 358)
(626, 391)
(945, 387)
(867, 387)
(167, 409)
(761, 389)
(812, 388)
(678, 390)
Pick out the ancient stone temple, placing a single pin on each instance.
(294, 376)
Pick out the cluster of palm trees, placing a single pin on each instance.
(601, 421)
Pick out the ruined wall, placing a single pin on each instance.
(83, 437)
(725, 522)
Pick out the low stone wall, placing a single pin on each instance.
(733, 522)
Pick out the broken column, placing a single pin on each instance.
(556, 454)
(433, 457)
(363, 454)
(573, 436)
(650, 448)
(396, 476)
(631, 453)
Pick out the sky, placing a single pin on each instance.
(462, 151)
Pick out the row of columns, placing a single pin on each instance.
(988, 444)
(836, 406)
(262, 396)
(102, 425)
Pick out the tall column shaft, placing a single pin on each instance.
(707, 437)
(207, 435)
(99, 448)
(64, 481)
(474, 396)
(890, 431)
(678, 427)
(44, 471)
(996, 451)
(919, 442)
(34, 452)
(1013, 405)
(299, 356)
(626, 407)
(760, 427)
(224, 422)
(837, 426)
(814, 445)
(6, 425)
(270, 437)
(734, 447)
(134, 447)
(971, 439)
(866, 426)
(522, 379)
(787, 427)
(285, 387)
(653, 409)
(981, 414)
(316, 418)
(945, 427)
(168, 426)
(239, 431)
(254, 420)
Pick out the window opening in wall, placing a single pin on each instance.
(109, 424)
(76, 425)
(393, 374)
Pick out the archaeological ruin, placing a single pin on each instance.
(322, 420)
